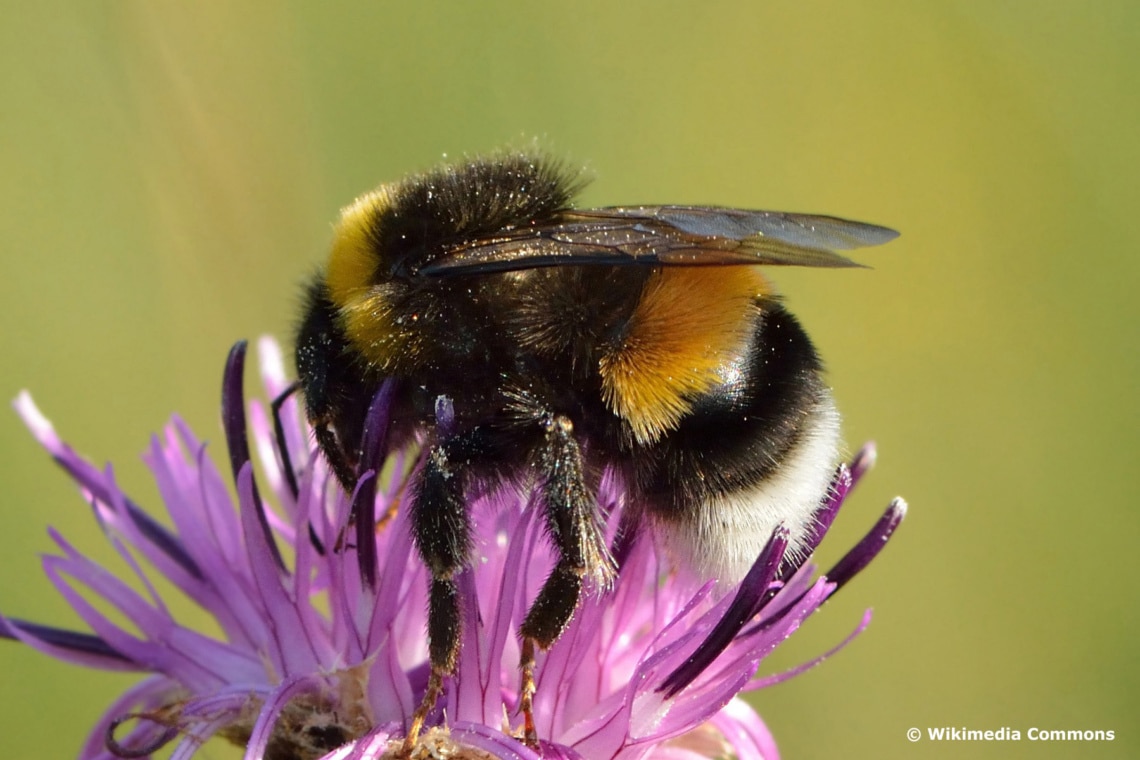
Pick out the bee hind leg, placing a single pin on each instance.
(570, 510)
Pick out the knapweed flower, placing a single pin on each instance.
(322, 649)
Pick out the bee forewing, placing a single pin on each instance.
(665, 235)
(806, 230)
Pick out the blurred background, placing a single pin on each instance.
(168, 177)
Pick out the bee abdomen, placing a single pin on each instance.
(725, 532)
(756, 453)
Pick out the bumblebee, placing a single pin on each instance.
(528, 341)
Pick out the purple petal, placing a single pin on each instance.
(512, 576)
(193, 739)
(203, 717)
(159, 537)
(371, 746)
(364, 499)
(206, 492)
(262, 436)
(233, 700)
(234, 424)
(750, 596)
(869, 547)
(292, 649)
(271, 711)
(197, 660)
(841, 485)
(69, 646)
(669, 752)
(657, 718)
(761, 683)
(764, 637)
(864, 460)
(272, 367)
(741, 727)
(91, 479)
(390, 690)
(164, 550)
(215, 543)
(477, 692)
(291, 445)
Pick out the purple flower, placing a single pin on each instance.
(322, 649)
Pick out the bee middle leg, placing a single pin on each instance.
(570, 510)
(442, 533)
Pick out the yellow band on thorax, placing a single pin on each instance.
(355, 284)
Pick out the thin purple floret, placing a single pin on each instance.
(364, 498)
(754, 590)
(82, 643)
(317, 648)
(870, 546)
(237, 442)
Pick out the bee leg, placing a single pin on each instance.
(572, 523)
(343, 469)
(279, 436)
(441, 530)
(287, 468)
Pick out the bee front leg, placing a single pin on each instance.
(570, 509)
(441, 529)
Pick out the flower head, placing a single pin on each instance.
(322, 649)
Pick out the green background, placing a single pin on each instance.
(168, 176)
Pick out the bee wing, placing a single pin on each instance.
(666, 236)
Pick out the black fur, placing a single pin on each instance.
(739, 434)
